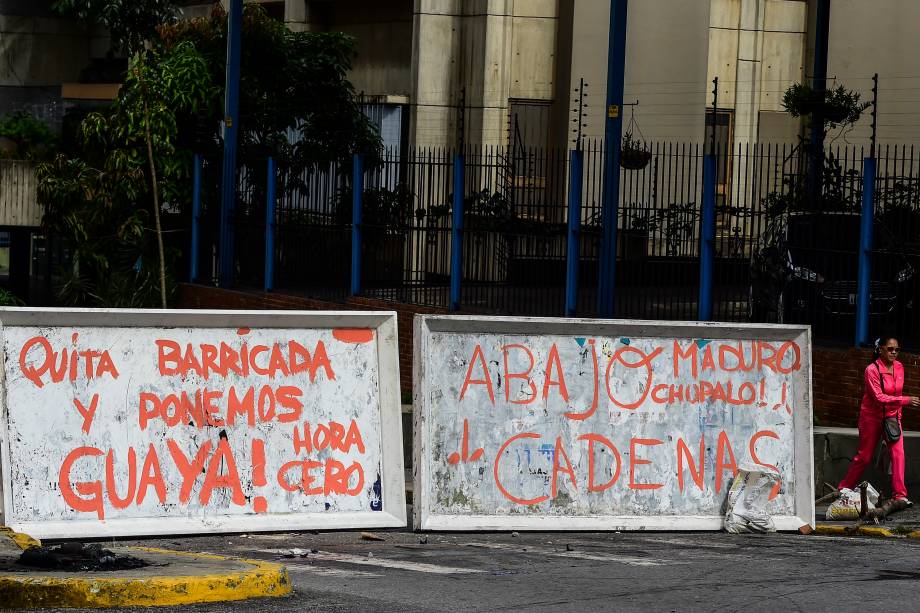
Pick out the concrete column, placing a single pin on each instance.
(435, 72)
(748, 80)
(297, 15)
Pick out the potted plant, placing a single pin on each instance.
(679, 223)
(489, 223)
(835, 107)
(632, 243)
(633, 155)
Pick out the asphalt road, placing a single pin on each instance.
(575, 572)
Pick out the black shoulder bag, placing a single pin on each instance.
(891, 427)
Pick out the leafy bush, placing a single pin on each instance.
(32, 138)
(8, 298)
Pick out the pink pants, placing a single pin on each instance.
(870, 430)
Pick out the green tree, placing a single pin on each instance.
(290, 83)
(136, 157)
(99, 199)
(130, 22)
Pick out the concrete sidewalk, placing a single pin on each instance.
(903, 524)
(170, 578)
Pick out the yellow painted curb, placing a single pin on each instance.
(854, 530)
(829, 530)
(23, 541)
(265, 579)
(876, 531)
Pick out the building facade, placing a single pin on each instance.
(495, 71)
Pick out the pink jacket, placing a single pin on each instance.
(884, 395)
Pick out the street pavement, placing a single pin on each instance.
(412, 572)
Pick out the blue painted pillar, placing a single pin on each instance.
(357, 194)
(270, 227)
(865, 252)
(707, 238)
(196, 219)
(230, 127)
(572, 251)
(456, 234)
(613, 134)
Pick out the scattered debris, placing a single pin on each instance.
(568, 547)
(314, 551)
(297, 553)
(370, 536)
(77, 557)
(806, 529)
(828, 498)
(514, 535)
(887, 508)
(423, 540)
(370, 554)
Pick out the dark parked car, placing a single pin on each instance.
(806, 266)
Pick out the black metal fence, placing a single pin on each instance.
(786, 243)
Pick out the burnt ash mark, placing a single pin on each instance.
(77, 557)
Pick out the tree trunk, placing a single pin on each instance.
(156, 207)
(156, 199)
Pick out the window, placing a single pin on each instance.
(535, 188)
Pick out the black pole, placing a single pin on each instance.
(874, 114)
(715, 116)
(819, 84)
(226, 253)
(461, 120)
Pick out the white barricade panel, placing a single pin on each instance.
(605, 425)
(167, 422)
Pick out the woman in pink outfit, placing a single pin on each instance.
(884, 381)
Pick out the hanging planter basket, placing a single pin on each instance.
(835, 113)
(635, 159)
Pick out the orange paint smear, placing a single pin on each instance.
(353, 335)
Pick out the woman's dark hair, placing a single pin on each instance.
(882, 340)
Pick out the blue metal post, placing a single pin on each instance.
(196, 218)
(571, 273)
(707, 238)
(230, 126)
(456, 234)
(613, 133)
(357, 193)
(270, 228)
(865, 252)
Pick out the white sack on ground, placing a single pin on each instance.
(847, 504)
(747, 499)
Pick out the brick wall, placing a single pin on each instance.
(204, 297)
(838, 373)
(838, 385)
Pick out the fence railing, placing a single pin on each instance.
(781, 249)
